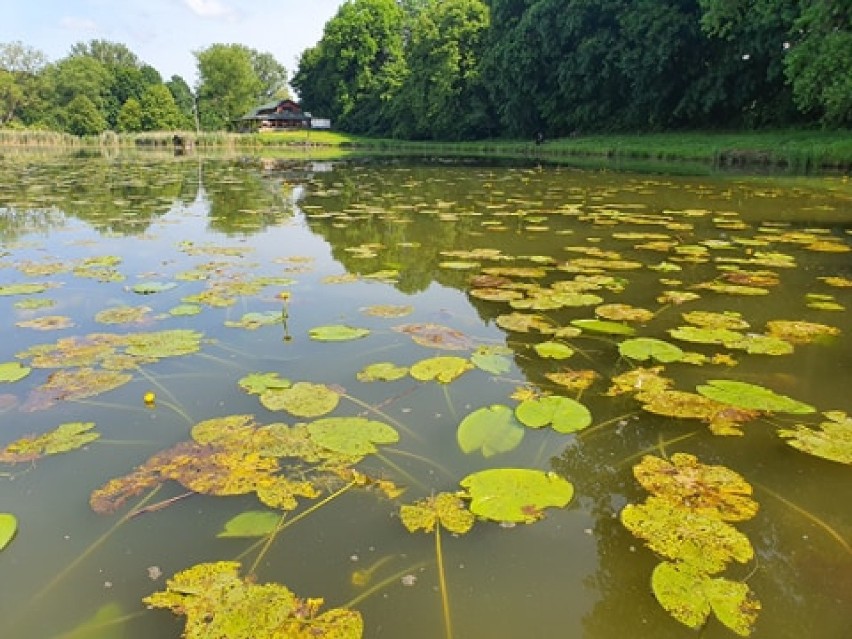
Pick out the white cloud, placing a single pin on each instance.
(210, 8)
(78, 24)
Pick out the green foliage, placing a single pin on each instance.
(82, 117)
(515, 494)
(63, 438)
(228, 85)
(351, 436)
(445, 509)
(337, 333)
(565, 415)
(218, 603)
(832, 441)
(13, 371)
(752, 397)
(254, 523)
(159, 111)
(130, 116)
(645, 348)
(8, 528)
(441, 369)
(491, 429)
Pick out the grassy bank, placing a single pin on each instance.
(796, 150)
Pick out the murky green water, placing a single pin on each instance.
(336, 241)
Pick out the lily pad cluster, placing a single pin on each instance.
(687, 520)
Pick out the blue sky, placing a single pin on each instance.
(164, 33)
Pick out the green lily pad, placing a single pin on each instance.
(218, 603)
(645, 348)
(689, 595)
(123, 315)
(492, 359)
(254, 523)
(185, 310)
(525, 322)
(8, 528)
(800, 332)
(164, 343)
(303, 399)
(603, 326)
(388, 310)
(682, 534)
(149, 288)
(354, 436)
(441, 369)
(701, 335)
(337, 333)
(554, 350)
(13, 371)
(257, 383)
(492, 430)
(709, 319)
(833, 441)
(444, 508)
(63, 438)
(752, 397)
(564, 414)
(23, 289)
(686, 482)
(35, 303)
(381, 371)
(761, 345)
(255, 320)
(516, 494)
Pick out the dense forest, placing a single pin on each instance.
(468, 69)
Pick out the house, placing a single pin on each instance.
(281, 114)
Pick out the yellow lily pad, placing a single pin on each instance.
(516, 494)
(441, 369)
(446, 509)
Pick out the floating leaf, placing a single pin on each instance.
(516, 494)
(217, 603)
(351, 436)
(381, 371)
(702, 335)
(573, 380)
(444, 508)
(554, 350)
(436, 336)
(23, 289)
(257, 383)
(77, 384)
(645, 348)
(303, 399)
(13, 371)
(34, 303)
(231, 430)
(185, 310)
(164, 343)
(106, 623)
(689, 595)
(387, 310)
(441, 369)
(64, 438)
(680, 534)
(752, 397)
(337, 333)
(8, 528)
(492, 359)
(492, 429)
(149, 288)
(640, 380)
(495, 294)
(525, 322)
(799, 332)
(686, 482)
(123, 315)
(833, 441)
(252, 321)
(723, 418)
(47, 323)
(761, 345)
(564, 414)
(624, 313)
(709, 319)
(254, 523)
(603, 326)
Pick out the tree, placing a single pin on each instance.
(185, 101)
(354, 72)
(130, 116)
(111, 54)
(819, 61)
(272, 76)
(159, 111)
(443, 95)
(228, 85)
(82, 117)
(20, 83)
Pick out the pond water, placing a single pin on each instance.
(184, 277)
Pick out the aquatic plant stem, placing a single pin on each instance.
(411, 479)
(381, 414)
(584, 434)
(449, 399)
(384, 583)
(808, 515)
(421, 458)
(174, 404)
(94, 545)
(282, 524)
(660, 445)
(442, 582)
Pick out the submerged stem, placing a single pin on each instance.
(808, 515)
(442, 581)
(94, 545)
(381, 414)
(449, 399)
(382, 584)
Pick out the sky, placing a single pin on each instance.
(164, 33)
